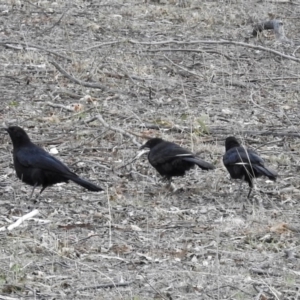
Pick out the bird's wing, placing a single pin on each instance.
(35, 157)
(200, 162)
(266, 171)
(167, 152)
(242, 156)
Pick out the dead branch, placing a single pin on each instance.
(56, 105)
(274, 78)
(182, 68)
(189, 50)
(27, 46)
(21, 220)
(86, 238)
(37, 7)
(263, 109)
(98, 46)
(236, 83)
(59, 20)
(78, 114)
(103, 286)
(139, 154)
(221, 42)
(222, 130)
(58, 91)
(142, 136)
(80, 82)
(232, 287)
(75, 80)
(7, 298)
(253, 132)
(260, 271)
(149, 283)
(174, 128)
(130, 135)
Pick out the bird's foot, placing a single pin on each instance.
(171, 187)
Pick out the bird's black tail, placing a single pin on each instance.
(266, 172)
(86, 184)
(200, 163)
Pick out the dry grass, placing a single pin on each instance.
(196, 243)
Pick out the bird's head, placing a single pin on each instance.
(152, 143)
(231, 142)
(18, 135)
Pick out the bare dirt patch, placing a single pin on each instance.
(91, 79)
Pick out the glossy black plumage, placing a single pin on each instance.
(245, 164)
(169, 159)
(36, 167)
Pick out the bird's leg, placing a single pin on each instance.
(250, 182)
(250, 190)
(170, 185)
(32, 191)
(169, 182)
(42, 189)
(240, 188)
(39, 194)
(249, 177)
(242, 207)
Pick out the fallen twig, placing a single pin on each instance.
(103, 286)
(260, 271)
(221, 42)
(59, 20)
(7, 298)
(182, 68)
(130, 135)
(189, 50)
(98, 46)
(57, 105)
(266, 110)
(37, 7)
(73, 79)
(226, 131)
(21, 220)
(139, 154)
(27, 45)
(58, 91)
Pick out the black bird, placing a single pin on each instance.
(245, 164)
(169, 159)
(36, 167)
